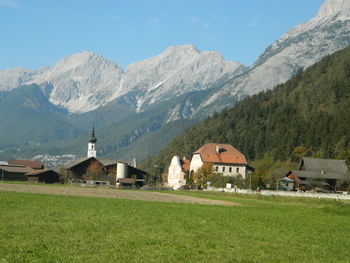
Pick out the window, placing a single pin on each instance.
(216, 168)
(223, 169)
(230, 169)
(237, 170)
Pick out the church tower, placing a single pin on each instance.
(91, 146)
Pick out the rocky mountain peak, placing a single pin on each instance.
(334, 7)
(181, 49)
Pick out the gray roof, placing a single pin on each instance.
(104, 162)
(16, 169)
(286, 179)
(325, 165)
(325, 175)
(76, 162)
(107, 162)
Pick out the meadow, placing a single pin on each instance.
(49, 228)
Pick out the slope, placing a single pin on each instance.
(310, 110)
(30, 118)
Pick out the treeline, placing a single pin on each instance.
(307, 116)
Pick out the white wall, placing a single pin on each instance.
(91, 150)
(235, 169)
(176, 177)
(196, 162)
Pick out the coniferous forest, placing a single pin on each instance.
(307, 116)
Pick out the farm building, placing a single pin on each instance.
(316, 173)
(224, 157)
(27, 170)
(103, 171)
(12, 172)
(36, 165)
(43, 176)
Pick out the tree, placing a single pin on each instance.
(299, 152)
(94, 171)
(203, 175)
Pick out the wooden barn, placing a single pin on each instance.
(43, 176)
(316, 173)
(103, 171)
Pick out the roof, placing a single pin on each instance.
(16, 169)
(185, 165)
(286, 179)
(325, 165)
(312, 174)
(32, 164)
(226, 154)
(38, 172)
(76, 162)
(107, 162)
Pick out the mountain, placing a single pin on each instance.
(78, 83)
(170, 91)
(306, 115)
(300, 47)
(28, 118)
(86, 81)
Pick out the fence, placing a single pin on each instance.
(337, 196)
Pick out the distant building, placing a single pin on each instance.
(92, 144)
(91, 170)
(27, 170)
(224, 157)
(13, 172)
(43, 176)
(28, 163)
(313, 172)
(177, 171)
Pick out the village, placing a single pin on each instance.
(213, 167)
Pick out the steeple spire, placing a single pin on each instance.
(91, 145)
(92, 137)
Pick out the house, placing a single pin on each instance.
(99, 171)
(177, 171)
(317, 173)
(13, 172)
(224, 157)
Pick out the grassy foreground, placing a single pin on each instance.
(47, 228)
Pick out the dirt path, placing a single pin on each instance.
(111, 193)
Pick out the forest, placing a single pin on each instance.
(306, 116)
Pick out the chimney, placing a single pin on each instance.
(217, 148)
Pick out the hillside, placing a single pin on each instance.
(310, 110)
(156, 97)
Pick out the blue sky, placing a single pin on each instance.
(38, 33)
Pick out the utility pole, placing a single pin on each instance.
(250, 180)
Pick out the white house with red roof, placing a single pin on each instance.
(225, 159)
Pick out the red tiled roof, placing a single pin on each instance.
(227, 154)
(32, 164)
(186, 165)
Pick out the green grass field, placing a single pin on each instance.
(47, 228)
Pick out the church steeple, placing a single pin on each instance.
(91, 145)
(92, 137)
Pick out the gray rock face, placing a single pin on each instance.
(86, 81)
(299, 48)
